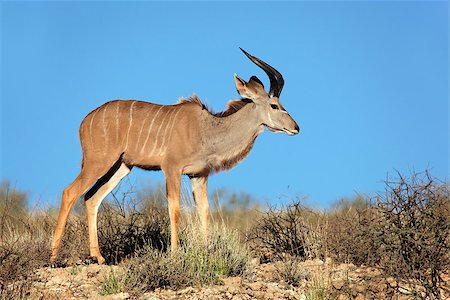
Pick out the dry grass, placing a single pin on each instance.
(294, 230)
(25, 246)
(197, 262)
(124, 229)
(404, 232)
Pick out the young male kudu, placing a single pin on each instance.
(181, 139)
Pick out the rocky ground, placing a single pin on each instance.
(306, 280)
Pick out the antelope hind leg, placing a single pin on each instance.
(70, 195)
(93, 202)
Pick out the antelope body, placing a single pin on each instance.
(181, 139)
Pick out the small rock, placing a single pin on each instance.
(392, 282)
(272, 287)
(232, 280)
(361, 287)
(233, 290)
(343, 297)
(258, 294)
(277, 296)
(256, 286)
(338, 284)
(249, 292)
(359, 297)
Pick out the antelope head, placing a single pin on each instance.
(271, 113)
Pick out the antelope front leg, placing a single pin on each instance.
(200, 191)
(173, 183)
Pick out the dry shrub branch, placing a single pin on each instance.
(404, 232)
(295, 230)
(414, 241)
(125, 228)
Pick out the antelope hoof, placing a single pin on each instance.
(100, 260)
(53, 263)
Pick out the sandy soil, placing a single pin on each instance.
(344, 281)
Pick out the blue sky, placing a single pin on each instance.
(366, 81)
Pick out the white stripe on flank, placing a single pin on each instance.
(168, 134)
(171, 114)
(143, 125)
(90, 126)
(103, 118)
(105, 136)
(157, 133)
(117, 122)
(150, 129)
(131, 123)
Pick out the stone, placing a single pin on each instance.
(232, 280)
(360, 287)
(258, 294)
(392, 282)
(256, 286)
(343, 297)
(359, 297)
(338, 284)
(233, 290)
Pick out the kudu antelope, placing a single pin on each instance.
(181, 139)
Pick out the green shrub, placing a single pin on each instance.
(112, 283)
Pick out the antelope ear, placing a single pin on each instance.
(256, 85)
(240, 84)
(249, 90)
(256, 80)
(241, 87)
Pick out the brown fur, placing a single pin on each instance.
(232, 105)
(192, 99)
(182, 139)
(232, 162)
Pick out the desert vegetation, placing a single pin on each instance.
(395, 244)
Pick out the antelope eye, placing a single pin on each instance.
(274, 106)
